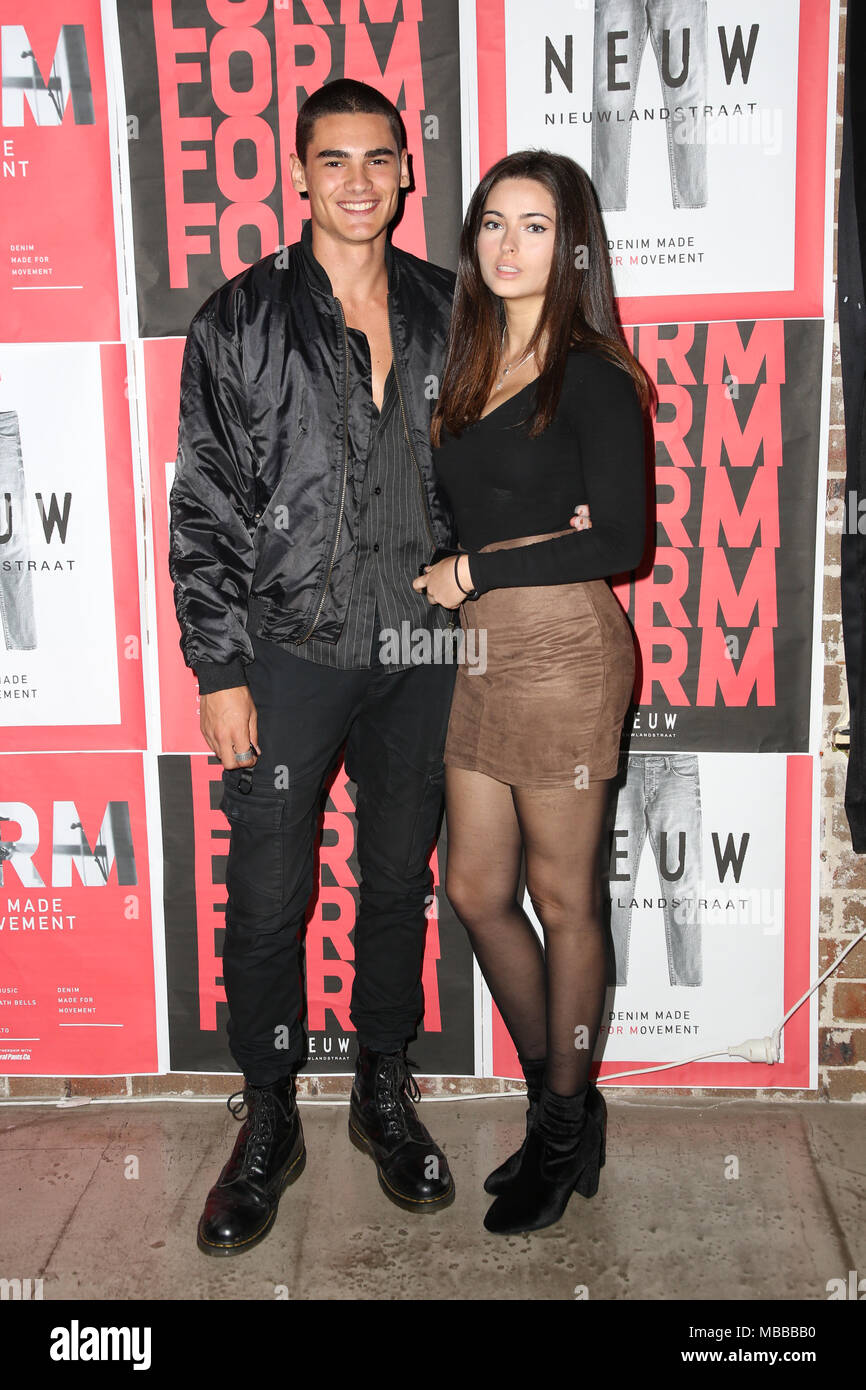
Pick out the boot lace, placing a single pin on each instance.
(392, 1080)
(261, 1107)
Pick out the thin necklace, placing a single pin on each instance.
(506, 371)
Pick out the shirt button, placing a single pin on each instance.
(377, 490)
(375, 545)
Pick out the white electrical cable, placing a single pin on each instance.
(754, 1049)
(71, 1103)
(829, 971)
(765, 1050)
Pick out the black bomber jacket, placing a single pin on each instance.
(273, 437)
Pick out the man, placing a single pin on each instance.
(304, 504)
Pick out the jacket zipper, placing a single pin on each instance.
(424, 507)
(344, 479)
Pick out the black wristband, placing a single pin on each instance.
(470, 593)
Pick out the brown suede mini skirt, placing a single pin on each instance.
(544, 682)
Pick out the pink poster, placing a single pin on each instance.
(58, 267)
(76, 950)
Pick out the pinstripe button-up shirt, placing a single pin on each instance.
(393, 543)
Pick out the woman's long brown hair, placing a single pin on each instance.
(578, 305)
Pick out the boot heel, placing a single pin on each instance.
(597, 1106)
(587, 1180)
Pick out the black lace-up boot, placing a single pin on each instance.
(413, 1171)
(268, 1156)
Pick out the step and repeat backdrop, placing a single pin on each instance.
(145, 160)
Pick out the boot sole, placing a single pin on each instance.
(421, 1206)
(208, 1247)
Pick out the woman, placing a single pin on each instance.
(542, 406)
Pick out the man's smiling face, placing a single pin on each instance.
(353, 174)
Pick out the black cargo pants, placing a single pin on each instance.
(395, 724)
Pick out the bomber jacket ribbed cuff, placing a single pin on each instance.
(212, 677)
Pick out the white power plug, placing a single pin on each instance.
(757, 1050)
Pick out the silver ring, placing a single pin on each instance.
(245, 757)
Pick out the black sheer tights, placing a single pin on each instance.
(551, 999)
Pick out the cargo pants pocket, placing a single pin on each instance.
(255, 866)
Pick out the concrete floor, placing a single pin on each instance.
(667, 1223)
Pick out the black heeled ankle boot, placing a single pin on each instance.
(268, 1156)
(563, 1155)
(413, 1171)
(500, 1178)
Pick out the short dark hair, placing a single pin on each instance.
(345, 96)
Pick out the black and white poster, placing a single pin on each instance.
(698, 121)
(70, 654)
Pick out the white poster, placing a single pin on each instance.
(709, 901)
(58, 655)
(696, 895)
(701, 124)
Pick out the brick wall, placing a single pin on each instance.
(842, 999)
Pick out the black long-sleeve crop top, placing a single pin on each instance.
(502, 484)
